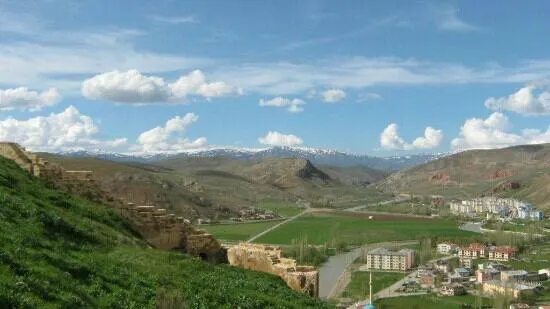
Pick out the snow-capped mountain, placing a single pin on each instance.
(315, 155)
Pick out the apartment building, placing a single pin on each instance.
(447, 248)
(473, 251)
(502, 253)
(382, 258)
(506, 288)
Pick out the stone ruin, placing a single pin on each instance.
(269, 259)
(164, 230)
(39, 167)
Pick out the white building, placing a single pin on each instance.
(447, 248)
(382, 258)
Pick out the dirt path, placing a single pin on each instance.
(307, 210)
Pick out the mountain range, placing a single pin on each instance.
(314, 155)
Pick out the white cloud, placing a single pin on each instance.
(133, 87)
(274, 138)
(293, 106)
(494, 132)
(125, 87)
(195, 84)
(369, 96)
(333, 95)
(431, 139)
(175, 20)
(446, 18)
(169, 138)
(390, 139)
(67, 130)
(524, 102)
(24, 99)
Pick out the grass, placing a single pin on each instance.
(57, 251)
(238, 231)
(427, 302)
(284, 209)
(332, 229)
(358, 288)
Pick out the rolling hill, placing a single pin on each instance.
(58, 251)
(217, 187)
(522, 172)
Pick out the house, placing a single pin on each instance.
(495, 266)
(502, 253)
(463, 272)
(466, 262)
(484, 275)
(427, 281)
(454, 289)
(382, 258)
(513, 275)
(513, 289)
(545, 271)
(444, 267)
(447, 248)
(474, 251)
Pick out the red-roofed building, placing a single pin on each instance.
(474, 251)
(503, 253)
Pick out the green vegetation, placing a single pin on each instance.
(429, 302)
(57, 251)
(306, 254)
(238, 231)
(336, 230)
(358, 288)
(285, 209)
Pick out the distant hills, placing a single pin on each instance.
(314, 155)
(522, 172)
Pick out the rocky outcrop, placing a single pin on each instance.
(500, 173)
(269, 259)
(507, 186)
(440, 178)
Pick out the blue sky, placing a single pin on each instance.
(371, 77)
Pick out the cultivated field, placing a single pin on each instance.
(428, 302)
(238, 231)
(353, 228)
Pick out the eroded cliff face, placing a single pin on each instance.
(269, 259)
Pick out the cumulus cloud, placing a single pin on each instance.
(333, 95)
(274, 138)
(293, 106)
(494, 132)
(24, 99)
(169, 138)
(525, 101)
(390, 139)
(133, 87)
(68, 130)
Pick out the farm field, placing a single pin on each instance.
(428, 302)
(354, 229)
(238, 231)
(358, 288)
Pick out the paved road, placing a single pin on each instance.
(307, 210)
(330, 271)
(472, 227)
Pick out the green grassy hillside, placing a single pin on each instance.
(57, 251)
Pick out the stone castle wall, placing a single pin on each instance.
(164, 230)
(269, 259)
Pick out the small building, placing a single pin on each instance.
(447, 248)
(382, 258)
(513, 289)
(465, 262)
(463, 272)
(495, 266)
(444, 267)
(536, 215)
(484, 275)
(545, 271)
(454, 289)
(428, 281)
(502, 253)
(513, 275)
(473, 251)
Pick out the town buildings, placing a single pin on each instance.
(453, 289)
(502, 207)
(382, 258)
(513, 289)
(447, 248)
(473, 251)
(502, 253)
